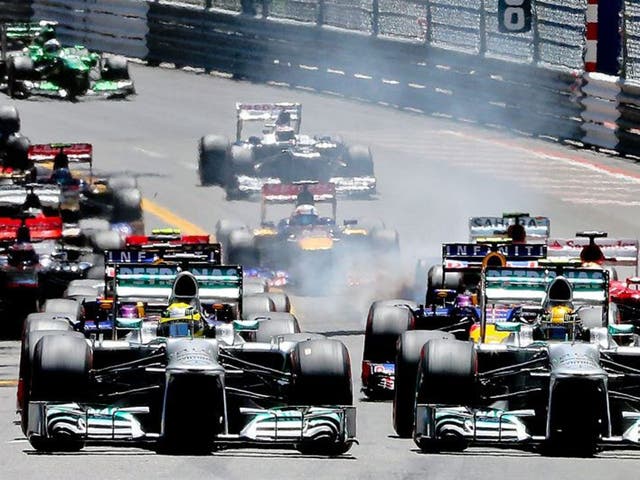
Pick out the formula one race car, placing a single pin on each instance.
(596, 250)
(516, 228)
(293, 390)
(311, 249)
(278, 153)
(117, 200)
(452, 311)
(563, 380)
(34, 62)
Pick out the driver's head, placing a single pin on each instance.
(180, 320)
(62, 177)
(284, 118)
(517, 233)
(559, 323)
(61, 160)
(51, 47)
(304, 215)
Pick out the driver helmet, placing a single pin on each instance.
(285, 134)
(304, 215)
(51, 47)
(62, 177)
(180, 320)
(558, 325)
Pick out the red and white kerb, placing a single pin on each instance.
(591, 52)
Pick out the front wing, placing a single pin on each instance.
(286, 426)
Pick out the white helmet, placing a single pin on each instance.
(304, 215)
(52, 46)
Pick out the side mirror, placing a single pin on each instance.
(621, 329)
(511, 327)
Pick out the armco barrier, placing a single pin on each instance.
(405, 73)
(382, 56)
(117, 26)
(600, 114)
(15, 10)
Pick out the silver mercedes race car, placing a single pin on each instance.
(183, 381)
(563, 380)
(269, 149)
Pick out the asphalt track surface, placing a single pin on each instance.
(433, 174)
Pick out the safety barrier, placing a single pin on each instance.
(445, 57)
(117, 26)
(15, 10)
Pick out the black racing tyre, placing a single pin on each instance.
(447, 377)
(127, 205)
(447, 373)
(253, 285)
(242, 160)
(64, 307)
(91, 225)
(60, 373)
(19, 68)
(257, 303)
(115, 68)
(37, 330)
(242, 250)
(96, 272)
(60, 369)
(385, 323)
(613, 272)
(408, 349)
(321, 372)
(359, 160)
(213, 160)
(275, 326)
(223, 229)
(281, 301)
(386, 240)
(106, 240)
(121, 182)
(9, 120)
(17, 153)
(438, 279)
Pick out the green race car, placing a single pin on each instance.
(42, 66)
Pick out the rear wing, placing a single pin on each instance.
(529, 285)
(16, 195)
(154, 283)
(42, 228)
(75, 152)
(23, 33)
(617, 251)
(180, 253)
(278, 193)
(267, 113)
(465, 256)
(536, 228)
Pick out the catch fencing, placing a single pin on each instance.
(446, 57)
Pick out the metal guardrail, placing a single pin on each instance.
(116, 26)
(443, 57)
(15, 10)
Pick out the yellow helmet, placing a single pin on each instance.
(559, 313)
(179, 311)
